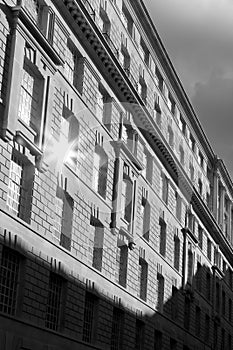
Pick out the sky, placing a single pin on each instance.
(198, 36)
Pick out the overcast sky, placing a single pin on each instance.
(198, 36)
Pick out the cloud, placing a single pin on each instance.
(197, 35)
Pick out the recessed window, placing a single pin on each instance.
(192, 142)
(89, 318)
(31, 97)
(142, 278)
(121, 263)
(158, 340)
(176, 252)
(100, 170)
(187, 310)
(63, 218)
(200, 159)
(162, 236)
(9, 276)
(197, 321)
(19, 194)
(165, 188)
(117, 329)
(126, 198)
(54, 302)
(190, 265)
(174, 304)
(160, 292)
(145, 207)
(98, 247)
(183, 126)
(181, 152)
(170, 136)
(139, 336)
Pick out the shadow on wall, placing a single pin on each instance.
(44, 307)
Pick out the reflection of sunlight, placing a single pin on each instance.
(58, 153)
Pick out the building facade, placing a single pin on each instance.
(116, 218)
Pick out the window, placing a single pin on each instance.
(223, 338)
(142, 89)
(19, 195)
(191, 170)
(146, 219)
(121, 263)
(200, 186)
(181, 151)
(102, 101)
(176, 252)
(157, 110)
(139, 338)
(170, 136)
(198, 277)
(187, 309)
(223, 302)
(9, 274)
(63, 218)
(190, 265)
(230, 310)
(42, 15)
(215, 335)
(209, 249)
(100, 170)
(162, 237)
(145, 52)
(229, 342)
(200, 237)
(183, 125)
(54, 300)
(160, 292)
(89, 317)
(160, 78)
(98, 247)
(217, 300)
(173, 344)
(31, 96)
(174, 304)
(165, 186)
(171, 103)
(158, 340)
(142, 278)
(208, 286)
(117, 329)
(200, 159)
(207, 328)
(126, 197)
(178, 206)
(192, 142)
(71, 64)
(197, 321)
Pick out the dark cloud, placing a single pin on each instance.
(198, 35)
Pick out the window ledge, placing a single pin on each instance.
(25, 141)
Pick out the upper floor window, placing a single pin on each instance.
(183, 126)
(171, 103)
(63, 217)
(209, 249)
(19, 194)
(9, 278)
(121, 263)
(162, 236)
(181, 151)
(200, 186)
(126, 195)
(160, 79)
(187, 311)
(42, 15)
(160, 292)
(145, 52)
(190, 265)
(100, 169)
(71, 63)
(142, 278)
(192, 142)
(170, 136)
(165, 188)
(98, 244)
(31, 95)
(200, 159)
(178, 206)
(200, 236)
(176, 252)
